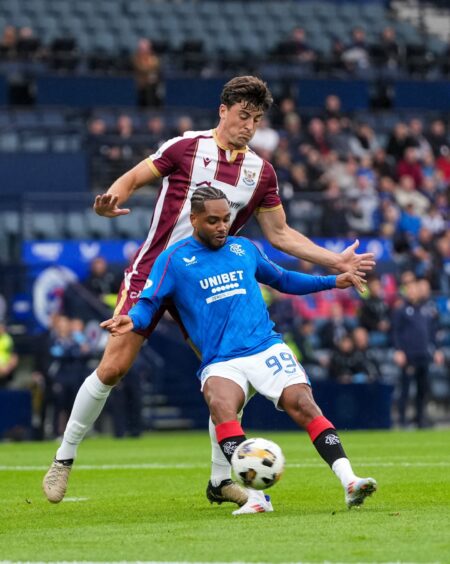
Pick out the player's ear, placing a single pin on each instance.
(222, 111)
(193, 219)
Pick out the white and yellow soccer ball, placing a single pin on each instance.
(258, 463)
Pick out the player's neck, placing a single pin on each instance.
(223, 141)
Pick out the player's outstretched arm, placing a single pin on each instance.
(280, 235)
(118, 325)
(108, 204)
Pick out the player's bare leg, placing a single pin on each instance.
(225, 399)
(297, 400)
(118, 357)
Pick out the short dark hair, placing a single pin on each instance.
(248, 89)
(202, 195)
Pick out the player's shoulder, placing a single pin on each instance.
(182, 142)
(207, 133)
(175, 250)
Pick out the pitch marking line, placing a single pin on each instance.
(156, 466)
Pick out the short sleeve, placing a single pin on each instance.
(167, 158)
(270, 197)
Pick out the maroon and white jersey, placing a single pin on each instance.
(186, 163)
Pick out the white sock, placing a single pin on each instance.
(220, 467)
(87, 406)
(343, 470)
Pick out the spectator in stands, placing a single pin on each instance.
(356, 54)
(67, 371)
(338, 140)
(443, 165)
(346, 366)
(8, 358)
(146, 66)
(363, 141)
(278, 113)
(382, 165)
(295, 50)
(282, 162)
(433, 221)
(364, 202)
(266, 139)
(335, 328)
(409, 166)
(333, 107)
(398, 141)
(336, 60)
(437, 137)
(366, 361)
(281, 312)
(386, 52)
(406, 194)
(28, 46)
(101, 281)
(442, 275)
(307, 343)
(124, 127)
(334, 212)
(314, 168)
(183, 124)
(8, 43)
(156, 130)
(414, 336)
(374, 314)
(292, 128)
(316, 136)
(299, 178)
(418, 139)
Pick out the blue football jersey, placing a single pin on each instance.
(218, 297)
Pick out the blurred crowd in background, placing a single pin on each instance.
(377, 173)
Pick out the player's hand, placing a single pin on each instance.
(349, 279)
(118, 325)
(106, 206)
(349, 261)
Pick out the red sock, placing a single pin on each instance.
(318, 426)
(326, 440)
(229, 436)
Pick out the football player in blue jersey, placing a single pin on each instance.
(213, 281)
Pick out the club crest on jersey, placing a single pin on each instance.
(237, 249)
(249, 177)
(190, 261)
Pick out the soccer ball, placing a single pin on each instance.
(258, 463)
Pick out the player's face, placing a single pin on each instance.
(212, 225)
(238, 123)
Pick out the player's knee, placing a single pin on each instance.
(221, 410)
(110, 373)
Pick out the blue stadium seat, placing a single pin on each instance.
(34, 142)
(98, 227)
(43, 225)
(75, 225)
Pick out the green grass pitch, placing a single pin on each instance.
(143, 500)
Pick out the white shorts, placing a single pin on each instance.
(267, 372)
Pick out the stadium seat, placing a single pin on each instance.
(75, 225)
(42, 225)
(98, 227)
